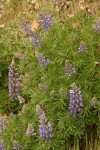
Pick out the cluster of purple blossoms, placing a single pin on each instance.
(13, 82)
(34, 37)
(3, 125)
(97, 27)
(30, 130)
(82, 47)
(26, 28)
(12, 115)
(44, 62)
(16, 145)
(45, 127)
(76, 100)
(45, 21)
(69, 70)
(1, 146)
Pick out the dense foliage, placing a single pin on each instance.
(59, 70)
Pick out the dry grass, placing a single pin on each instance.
(21, 9)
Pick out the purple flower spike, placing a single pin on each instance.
(12, 115)
(69, 70)
(16, 145)
(13, 82)
(30, 130)
(45, 127)
(45, 21)
(82, 47)
(3, 125)
(44, 62)
(97, 27)
(42, 131)
(36, 39)
(26, 28)
(1, 146)
(50, 130)
(76, 100)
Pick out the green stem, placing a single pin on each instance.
(86, 140)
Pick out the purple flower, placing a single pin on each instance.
(13, 82)
(50, 129)
(36, 38)
(12, 115)
(30, 130)
(1, 146)
(97, 27)
(69, 70)
(3, 125)
(16, 145)
(26, 28)
(44, 62)
(76, 100)
(82, 47)
(45, 127)
(45, 21)
(39, 111)
(43, 131)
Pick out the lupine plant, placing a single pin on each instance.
(30, 130)
(46, 21)
(45, 127)
(42, 60)
(16, 145)
(13, 82)
(3, 125)
(82, 47)
(69, 70)
(34, 37)
(76, 100)
(8, 38)
(1, 145)
(62, 86)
